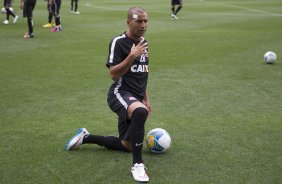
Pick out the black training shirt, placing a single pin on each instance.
(135, 79)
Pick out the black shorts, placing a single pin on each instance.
(119, 103)
(8, 3)
(28, 8)
(176, 2)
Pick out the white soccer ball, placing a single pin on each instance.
(3, 10)
(270, 57)
(158, 140)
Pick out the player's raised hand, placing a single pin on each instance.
(139, 49)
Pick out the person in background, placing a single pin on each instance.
(28, 6)
(74, 8)
(50, 16)
(9, 11)
(176, 6)
(55, 7)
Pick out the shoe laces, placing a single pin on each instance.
(137, 166)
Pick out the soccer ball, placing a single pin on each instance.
(270, 57)
(158, 140)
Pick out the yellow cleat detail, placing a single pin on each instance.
(47, 25)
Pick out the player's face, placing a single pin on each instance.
(138, 25)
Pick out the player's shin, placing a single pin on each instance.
(137, 131)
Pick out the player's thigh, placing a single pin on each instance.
(7, 3)
(28, 9)
(133, 107)
(55, 7)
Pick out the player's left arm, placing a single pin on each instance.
(146, 102)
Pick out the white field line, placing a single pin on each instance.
(106, 8)
(219, 3)
(248, 9)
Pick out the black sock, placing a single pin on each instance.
(50, 18)
(72, 5)
(58, 21)
(75, 6)
(109, 142)
(173, 10)
(7, 13)
(12, 13)
(137, 131)
(177, 10)
(30, 25)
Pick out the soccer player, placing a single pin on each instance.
(74, 8)
(178, 4)
(28, 6)
(50, 16)
(127, 96)
(55, 7)
(9, 11)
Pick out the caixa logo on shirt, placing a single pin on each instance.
(139, 68)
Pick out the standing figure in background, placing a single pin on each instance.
(74, 8)
(176, 6)
(9, 11)
(50, 16)
(28, 6)
(55, 7)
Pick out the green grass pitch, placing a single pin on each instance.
(209, 88)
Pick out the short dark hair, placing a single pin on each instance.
(133, 10)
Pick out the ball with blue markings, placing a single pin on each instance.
(158, 140)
